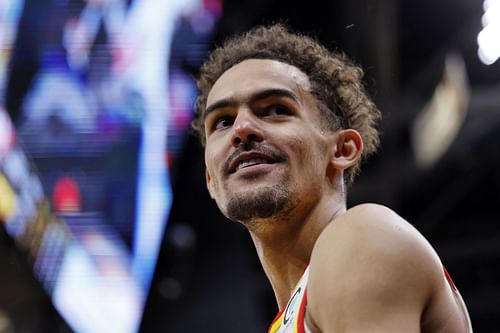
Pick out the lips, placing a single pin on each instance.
(251, 162)
(241, 160)
(246, 160)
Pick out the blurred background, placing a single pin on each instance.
(106, 225)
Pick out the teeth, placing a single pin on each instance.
(250, 162)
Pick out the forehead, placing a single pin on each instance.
(252, 75)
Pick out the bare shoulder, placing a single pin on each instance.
(375, 231)
(372, 260)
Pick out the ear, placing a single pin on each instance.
(210, 185)
(348, 149)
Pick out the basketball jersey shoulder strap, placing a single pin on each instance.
(291, 318)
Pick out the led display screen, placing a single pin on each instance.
(85, 162)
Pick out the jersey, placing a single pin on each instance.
(292, 318)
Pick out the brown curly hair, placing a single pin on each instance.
(335, 81)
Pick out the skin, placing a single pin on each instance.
(370, 271)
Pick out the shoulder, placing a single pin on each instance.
(371, 257)
(371, 227)
(373, 230)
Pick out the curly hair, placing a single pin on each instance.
(335, 81)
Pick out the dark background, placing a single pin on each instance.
(208, 277)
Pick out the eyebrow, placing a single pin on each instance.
(260, 95)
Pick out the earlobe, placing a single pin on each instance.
(348, 149)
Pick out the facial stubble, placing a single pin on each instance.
(260, 204)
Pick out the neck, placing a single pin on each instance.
(284, 246)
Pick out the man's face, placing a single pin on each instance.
(266, 152)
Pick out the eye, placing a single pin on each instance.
(222, 122)
(277, 110)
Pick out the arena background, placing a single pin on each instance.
(438, 165)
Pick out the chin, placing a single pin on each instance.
(257, 203)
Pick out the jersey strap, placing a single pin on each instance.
(291, 318)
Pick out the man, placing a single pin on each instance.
(285, 124)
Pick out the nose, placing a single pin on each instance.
(246, 128)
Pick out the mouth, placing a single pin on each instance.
(252, 159)
(251, 162)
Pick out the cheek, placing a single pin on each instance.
(213, 164)
(303, 148)
(209, 165)
(310, 156)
